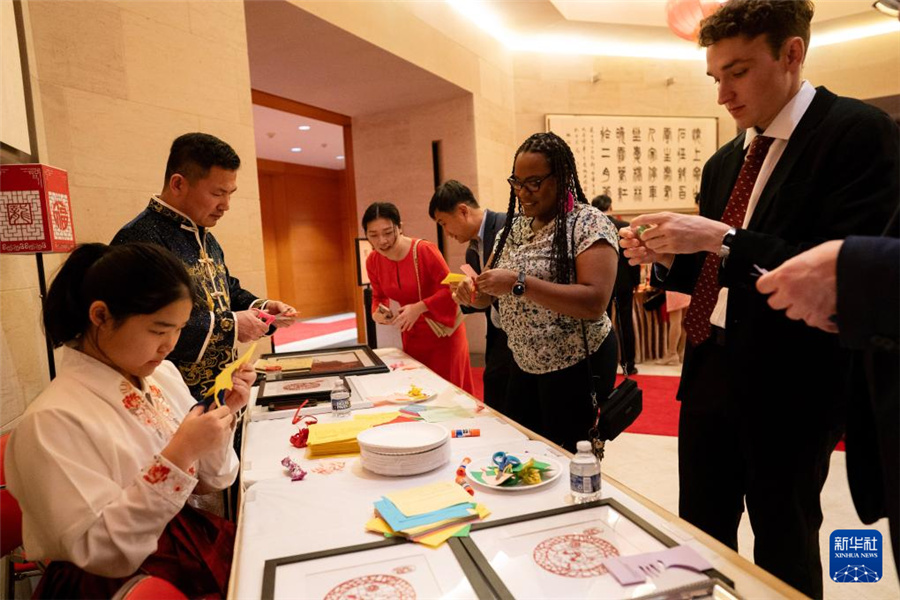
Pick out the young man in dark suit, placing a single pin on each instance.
(454, 207)
(627, 278)
(852, 288)
(763, 397)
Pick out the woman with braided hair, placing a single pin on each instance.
(553, 271)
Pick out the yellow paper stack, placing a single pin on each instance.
(429, 514)
(339, 438)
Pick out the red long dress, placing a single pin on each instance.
(396, 280)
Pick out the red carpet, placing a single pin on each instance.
(660, 414)
(303, 330)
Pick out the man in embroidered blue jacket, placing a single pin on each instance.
(201, 176)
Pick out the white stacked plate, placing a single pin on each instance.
(402, 449)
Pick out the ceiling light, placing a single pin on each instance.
(296, 149)
(341, 157)
(889, 7)
(304, 128)
(854, 33)
(480, 13)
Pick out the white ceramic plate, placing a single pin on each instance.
(402, 465)
(548, 476)
(403, 438)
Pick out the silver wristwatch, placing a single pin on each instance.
(727, 240)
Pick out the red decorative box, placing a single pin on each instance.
(35, 213)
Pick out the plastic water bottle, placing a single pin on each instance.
(584, 474)
(340, 399)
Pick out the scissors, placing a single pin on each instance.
(266, 317)
(505, 462)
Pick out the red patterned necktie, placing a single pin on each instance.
(706, 290)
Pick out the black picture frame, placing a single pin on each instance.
(472, 573)
(363, 249)
(271, 389)
(496, 582)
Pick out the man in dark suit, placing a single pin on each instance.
(762, 396)
(852, 288)
(627, 278)
(454, 207)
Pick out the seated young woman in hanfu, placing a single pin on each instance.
(104, 460)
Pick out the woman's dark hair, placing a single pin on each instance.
(562, 165)
(381, 210)
(131, 279)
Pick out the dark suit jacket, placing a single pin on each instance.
(838, 176)
(868, 295)
(627, 276)
(493, 225)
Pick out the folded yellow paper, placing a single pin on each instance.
(454, 278)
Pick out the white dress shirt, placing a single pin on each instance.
(781, 129)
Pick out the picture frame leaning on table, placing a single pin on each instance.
(312, 373)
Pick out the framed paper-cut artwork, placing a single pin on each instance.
(363, 250)
(393, 568)
(311, 374)
(311, 388)
(559, 553)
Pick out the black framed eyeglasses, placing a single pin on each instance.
(532, 184)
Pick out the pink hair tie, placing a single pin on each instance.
(570, 202)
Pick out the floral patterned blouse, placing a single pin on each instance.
(542, 340)
(85, 463)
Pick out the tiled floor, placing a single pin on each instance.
(648, 464)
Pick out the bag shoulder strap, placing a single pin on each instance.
(619, 343)
(415, 253)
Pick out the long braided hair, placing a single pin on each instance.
(562, 164)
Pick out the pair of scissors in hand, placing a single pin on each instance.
(505, 462)
(265, 317)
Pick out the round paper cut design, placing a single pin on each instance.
(574, 555)
(373, 587)
(303, 385)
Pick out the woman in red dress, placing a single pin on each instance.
(410, 271)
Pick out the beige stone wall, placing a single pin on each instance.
(867, 68)
(434, 37)
(114, 83)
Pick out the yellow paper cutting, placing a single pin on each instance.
(223, 380)
(454, 278)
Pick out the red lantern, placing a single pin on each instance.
(684, 16)
(35, 214)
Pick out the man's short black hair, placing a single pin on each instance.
(193, 154)
(777, 19)
(603, 202)
(448, 195)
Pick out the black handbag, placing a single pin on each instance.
(619, 410)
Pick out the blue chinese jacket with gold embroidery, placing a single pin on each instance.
(207, 343)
